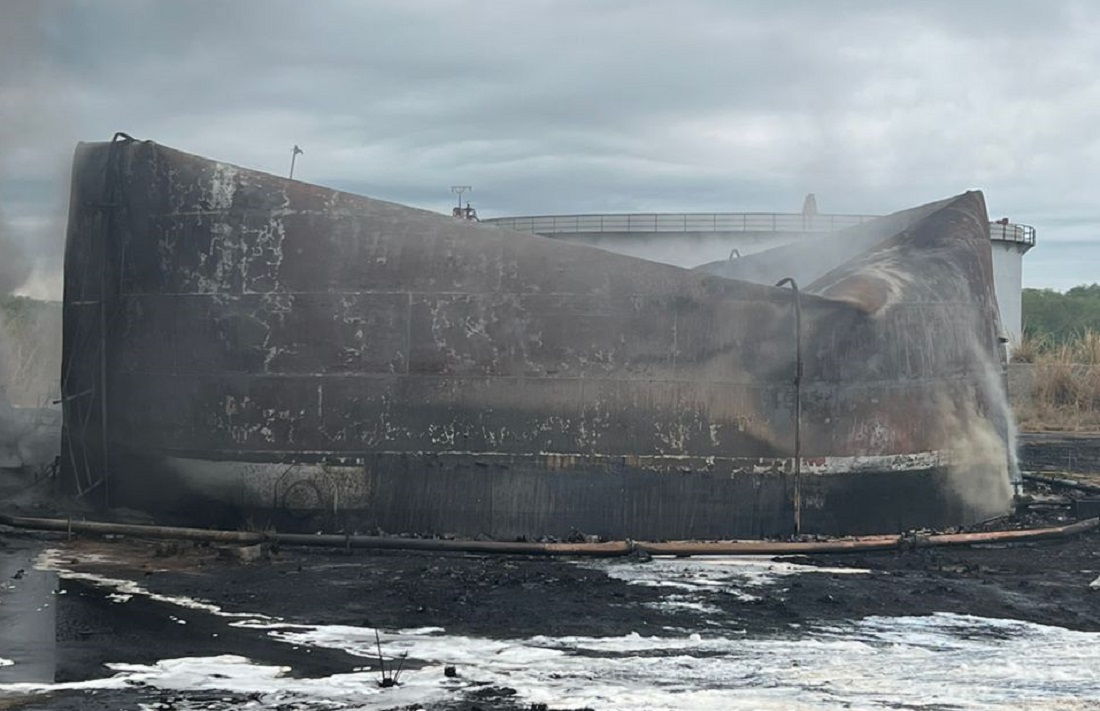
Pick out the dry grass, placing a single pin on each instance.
(1029, 348)
(1066, 391)
(1087, 348)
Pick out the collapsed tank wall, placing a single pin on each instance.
(677, 239)
(239, 344)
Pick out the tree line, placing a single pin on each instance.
(1057, 317)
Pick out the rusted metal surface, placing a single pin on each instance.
(237, 344)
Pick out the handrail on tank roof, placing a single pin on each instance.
(1011, 232)
(716, 222)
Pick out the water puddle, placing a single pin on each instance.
(27, 617)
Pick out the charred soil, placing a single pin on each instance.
(509, 597)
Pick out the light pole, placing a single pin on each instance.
(293, 157)
(458, 190)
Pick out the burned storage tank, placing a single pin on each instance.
(241, 346)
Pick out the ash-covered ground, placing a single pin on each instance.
(106, 624)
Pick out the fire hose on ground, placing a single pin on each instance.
(603, 549)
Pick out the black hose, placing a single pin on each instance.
(602, 550)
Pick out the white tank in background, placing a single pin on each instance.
(691, 239)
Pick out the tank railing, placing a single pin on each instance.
(1009, 232)
(717, 222)
(680, 222)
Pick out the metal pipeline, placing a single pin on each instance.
(604, 550)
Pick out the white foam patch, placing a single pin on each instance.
(952, 661)
(686, 603)
(938, 661)
(52, 559)
(741, 576)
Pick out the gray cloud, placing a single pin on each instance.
(578, 106)
(22, 111)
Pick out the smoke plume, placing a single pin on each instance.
(30, 332)
(29, 112)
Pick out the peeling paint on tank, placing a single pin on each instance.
(223, 185)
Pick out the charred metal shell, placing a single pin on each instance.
(242, 345)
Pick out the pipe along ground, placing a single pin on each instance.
(602, 550)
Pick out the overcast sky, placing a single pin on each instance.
(590, 106)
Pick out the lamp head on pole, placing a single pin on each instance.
(458, 190)
(293, 157)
